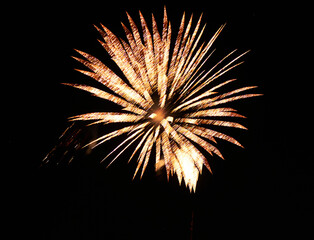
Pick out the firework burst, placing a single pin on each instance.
(168, 103)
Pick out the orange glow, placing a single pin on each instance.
(158, 115)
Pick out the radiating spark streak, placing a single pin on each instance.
(135, 136)
(216, 75)
(215, 112)
(187, 63)
(141, 79)
(125, 66)
(143, 152)
(206, 50)
(195, 83)
(167, 99)
(210, 103)
(116, 133)
(141, 143)
(151, 143)
(148, 53)
(167, 152)
(207, 146)
(158, 150)
(207, 102)
(205, 94)
(107, 96)
(148, 147)
(214, 134)
(104, 75)
(107, 117)
(176, 48)
(187, 169)
(198, 121)
(196, 76)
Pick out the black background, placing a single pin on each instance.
(264, 190)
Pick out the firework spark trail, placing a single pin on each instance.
(163, 96)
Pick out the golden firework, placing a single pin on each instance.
(167, 100)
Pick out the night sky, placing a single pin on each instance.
(263, 190)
